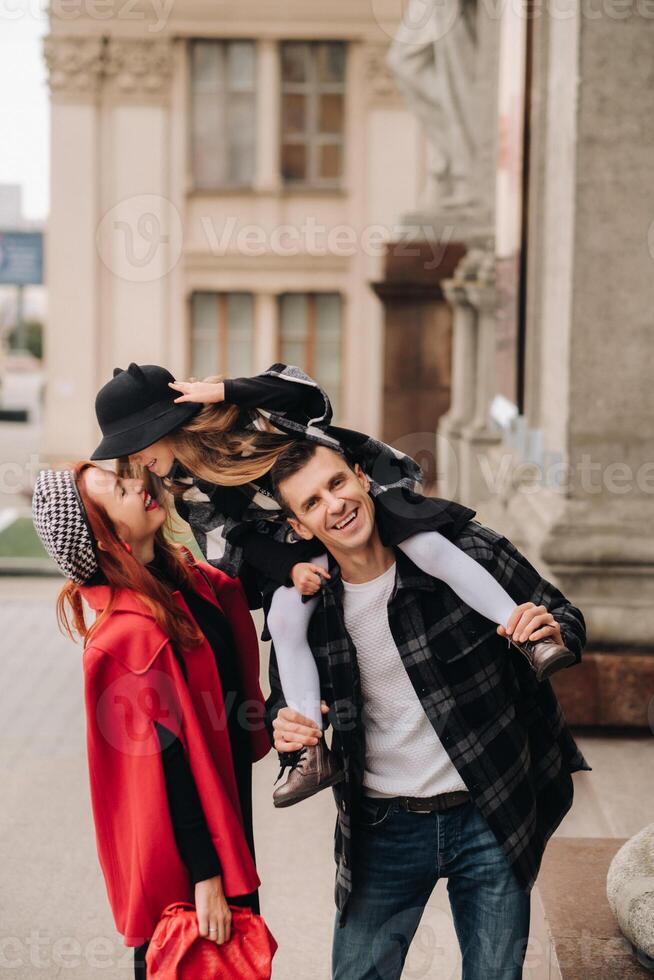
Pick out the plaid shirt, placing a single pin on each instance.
(503, 730)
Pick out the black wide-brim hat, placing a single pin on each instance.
(136, 409)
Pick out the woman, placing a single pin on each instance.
(173, 704)
(216, 444)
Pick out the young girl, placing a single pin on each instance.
(171, 791)
(215, 445)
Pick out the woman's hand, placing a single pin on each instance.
(306, 577)
(202, 392)
(214, 914)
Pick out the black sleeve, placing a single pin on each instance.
(249, 579)
(274, 703)
(274, 559)
(189, 824)
(297, 399)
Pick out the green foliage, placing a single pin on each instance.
(20, 540)
(32, 338)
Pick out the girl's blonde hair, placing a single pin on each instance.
(216, 446)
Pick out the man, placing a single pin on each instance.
(457, 760)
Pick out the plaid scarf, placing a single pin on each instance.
(217, 515)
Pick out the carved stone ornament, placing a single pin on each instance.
(82, 66)
(74, 64)
(381, 86)
(138, 67)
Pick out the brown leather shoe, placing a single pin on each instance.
(544, 657)
(313, 768)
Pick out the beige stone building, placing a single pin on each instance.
(224, 179)
(543, 144)
(443, 210)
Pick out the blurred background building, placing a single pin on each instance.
(440, 210)
(23, 310)
(223, 184)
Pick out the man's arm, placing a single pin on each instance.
(522, 581)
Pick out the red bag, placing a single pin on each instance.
(177, 951)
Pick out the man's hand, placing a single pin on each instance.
(213, 912)
(531, 622)
(202, 392)
(293, 731)
(306, 577)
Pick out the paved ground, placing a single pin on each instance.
(54, 918)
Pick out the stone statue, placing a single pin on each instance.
(433, 59)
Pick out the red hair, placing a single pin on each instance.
(122, 571)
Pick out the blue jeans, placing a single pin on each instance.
(399, 857)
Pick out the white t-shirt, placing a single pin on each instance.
(404, 755)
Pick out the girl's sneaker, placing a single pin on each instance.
(544, 657)
(313, 768)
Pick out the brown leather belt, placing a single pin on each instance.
(429, 804)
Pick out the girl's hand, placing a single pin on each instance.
(213, 912)
(202, 392)
(306, 577)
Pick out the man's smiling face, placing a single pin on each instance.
(330, 501)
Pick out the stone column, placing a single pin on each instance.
(265, 342)
(71, 350)
(466, 427)
(177, 342)
(462, 391)
(140, 232)
(115, 232)
(479, 436)
(591, 520)
(268, 82)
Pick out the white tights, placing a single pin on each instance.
(288, 618)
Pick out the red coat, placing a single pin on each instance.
(131, 680)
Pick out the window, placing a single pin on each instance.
(222, 113)
(222, 334)
(310, 337)
(312, 112)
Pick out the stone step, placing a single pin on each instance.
(574, 934)
(608, 689)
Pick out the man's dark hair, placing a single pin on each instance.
(291, 461)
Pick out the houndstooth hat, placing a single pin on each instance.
(62, 524)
